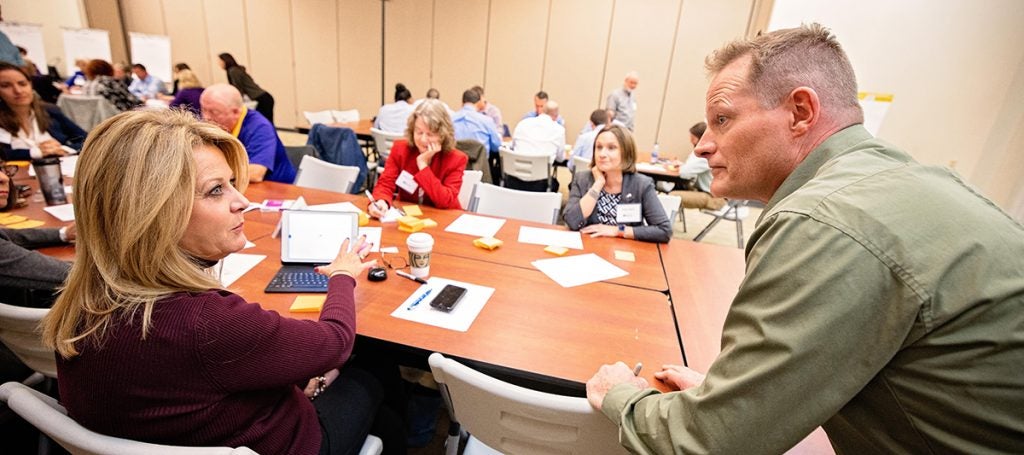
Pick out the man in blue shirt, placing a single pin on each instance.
(539, 100)
(471, 124)
(584, 146)
(222, 105)
(145, 86)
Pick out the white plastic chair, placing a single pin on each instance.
(510, 419)
(321, 175)
(508, 203)
(528, 168)
(469, 180)
(349, 116)
(383, 141)
(736, 211)
(671, 205)
(18, 330)
(318, 117)
(46, 414)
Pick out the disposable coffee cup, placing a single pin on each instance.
(51, 182)
(420, 245)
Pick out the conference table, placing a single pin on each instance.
(532, 331)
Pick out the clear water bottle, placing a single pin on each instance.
(654, 154)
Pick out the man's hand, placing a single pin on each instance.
(679, 377)
(607, 377)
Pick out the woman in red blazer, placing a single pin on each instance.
(429, 171)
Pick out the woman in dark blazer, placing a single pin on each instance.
(612, 200)
(30, 128)
(238, 77)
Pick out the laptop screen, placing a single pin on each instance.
(314, 237)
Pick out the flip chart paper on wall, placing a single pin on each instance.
(85, 43)
(875, 106)
(154, 52)
(29, 36)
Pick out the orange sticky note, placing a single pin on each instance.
(308, 304)
(26, 224)
(625, 256)
(557, 250)
(412, 210)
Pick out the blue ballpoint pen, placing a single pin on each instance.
(419, 299)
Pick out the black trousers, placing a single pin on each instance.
(366, 398)
(265, 106)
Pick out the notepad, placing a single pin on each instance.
(308, 304)
(487, 243)
(26, 224)
(625, 256)
(9, 219)
(412, 210)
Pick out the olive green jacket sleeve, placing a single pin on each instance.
(808, 330)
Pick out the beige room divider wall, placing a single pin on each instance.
(327, 54)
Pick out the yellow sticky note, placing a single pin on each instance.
(625, 256)
(11, 219)
(487, 243)
(26, 224)
(410, 221)
(412, 210)
(410, 229)
(429, 223)
(557, 250)
(364, 219)
(308, 304)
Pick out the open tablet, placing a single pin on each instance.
(314, 237)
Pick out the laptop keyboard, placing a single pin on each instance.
(292, 281)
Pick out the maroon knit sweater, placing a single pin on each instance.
(214, 370)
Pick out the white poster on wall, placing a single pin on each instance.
(153, 52)
(29, 36)
(84, 43)
(875, 106)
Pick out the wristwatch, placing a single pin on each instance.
(622, 231)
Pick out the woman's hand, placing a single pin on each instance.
(330, 376)
(599, 178)
(600, 230)
(51, 147)
(423, 160)
(377, 209)
(349, 262)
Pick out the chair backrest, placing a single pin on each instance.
(318, 117)
(319, 174)
(512, 419)
(493, 200)
(528, 168)
(671, 205)
(469, 180)
(19, 331)
(581, 163)
(51, 418)
(478, 156)
(87, 111)
(349, 116)
(296, 152)
(383, 140)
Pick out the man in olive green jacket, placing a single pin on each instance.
(883, 299)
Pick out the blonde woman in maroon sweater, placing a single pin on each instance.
(149, 344)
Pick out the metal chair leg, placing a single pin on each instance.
(712, 224)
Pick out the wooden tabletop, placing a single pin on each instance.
(646, 272)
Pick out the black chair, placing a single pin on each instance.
(296, 152)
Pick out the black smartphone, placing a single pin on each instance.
(448, 297)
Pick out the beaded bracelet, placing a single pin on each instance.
(321, 385)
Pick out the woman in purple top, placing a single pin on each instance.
(189, 90)
(151, 347)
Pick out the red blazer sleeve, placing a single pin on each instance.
(443, 188)
(385, 187)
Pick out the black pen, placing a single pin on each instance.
(411, 277)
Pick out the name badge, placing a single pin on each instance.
(628, 213)
(407, 183)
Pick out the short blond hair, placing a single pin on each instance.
(188, 79)
(782, 60)
(435, 115)
(134, 188)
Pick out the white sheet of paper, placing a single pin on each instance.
(476, 225)
(406, 182)
(63, 212)
(572, 271)
(372, 234)
(391, 216)
(237, 264)
(335, 207)
(549, 237)
(459, 319)
(628, 213)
